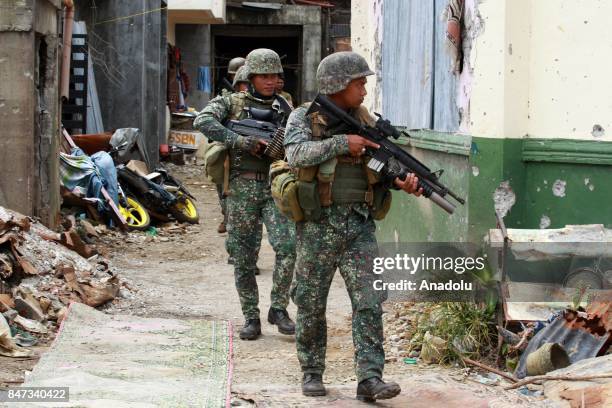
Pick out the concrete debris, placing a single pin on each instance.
(27, 306)
(8, 347)
(596, 392)
(42, 272)
(433, 349)
(30, 325)
(6, 302)
(90, 230)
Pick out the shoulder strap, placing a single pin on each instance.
(284, 104)
(317, 124)
(238, 101)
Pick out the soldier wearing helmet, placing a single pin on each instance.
(225, 86)
(249, 203)
(338, 227)
(241, 80)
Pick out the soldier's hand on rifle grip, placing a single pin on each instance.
(410, 184)
(253, 145)
(357, 145)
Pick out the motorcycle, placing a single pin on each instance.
(160, 193)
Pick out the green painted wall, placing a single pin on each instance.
(475, 167)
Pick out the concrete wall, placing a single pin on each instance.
(194, 42)
(130, 60)
(193, 12)
(366, 39)
(29, 108)
(306, 16)
(538, 64)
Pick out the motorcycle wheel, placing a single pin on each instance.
(135, 214)
(185, 210)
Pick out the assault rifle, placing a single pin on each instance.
(272, 135)
(380, 158)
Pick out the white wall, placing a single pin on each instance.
(542, 69)
(570, 77)
(366, 35)
(539, 68)
(193, 12)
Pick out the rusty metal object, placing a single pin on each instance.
(582, 334)
(549, 357)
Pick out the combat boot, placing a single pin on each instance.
(280, 318)
(251, 329)
(312, 385)
(374, 388)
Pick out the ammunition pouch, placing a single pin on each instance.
(381, 203)
(214, 160)
(284, 190)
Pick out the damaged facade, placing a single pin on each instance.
(29, 107)
(516, 114)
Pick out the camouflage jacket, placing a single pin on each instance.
(301, 150)
(211, 118)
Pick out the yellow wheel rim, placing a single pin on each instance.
(185, 205)
(135, 215)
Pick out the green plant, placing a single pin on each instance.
(466, 327)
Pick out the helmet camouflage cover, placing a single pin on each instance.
(234, 64)
(338, 69)
(242, 75)
(263, 61)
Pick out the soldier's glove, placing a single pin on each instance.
(252, 145)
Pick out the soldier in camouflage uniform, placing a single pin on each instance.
(249, 203)
(241, 80)
(343, 234)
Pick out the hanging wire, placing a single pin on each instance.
(131, 15)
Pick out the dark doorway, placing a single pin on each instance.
(234, 40)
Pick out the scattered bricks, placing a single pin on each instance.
(6, 302)
(29, 307)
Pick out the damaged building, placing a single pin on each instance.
(29, 106)
(503, 94)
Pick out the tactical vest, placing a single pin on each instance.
(243, 162)
(343, 179)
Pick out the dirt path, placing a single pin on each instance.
(185, 275)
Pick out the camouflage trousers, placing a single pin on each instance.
(222, 201)
(345, 240)
(249, 206)
(223, 205)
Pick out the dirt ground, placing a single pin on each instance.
(185, 275)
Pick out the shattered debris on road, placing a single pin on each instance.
(41, 273)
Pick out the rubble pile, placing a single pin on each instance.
(438, 332)
(41, 273)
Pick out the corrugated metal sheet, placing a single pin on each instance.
(408, 62)
(581, 336)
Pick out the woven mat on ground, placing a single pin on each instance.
(128, 361)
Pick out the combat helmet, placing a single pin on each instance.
(263, 61)
(242, 75)
(338, 69)
(234, 64)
